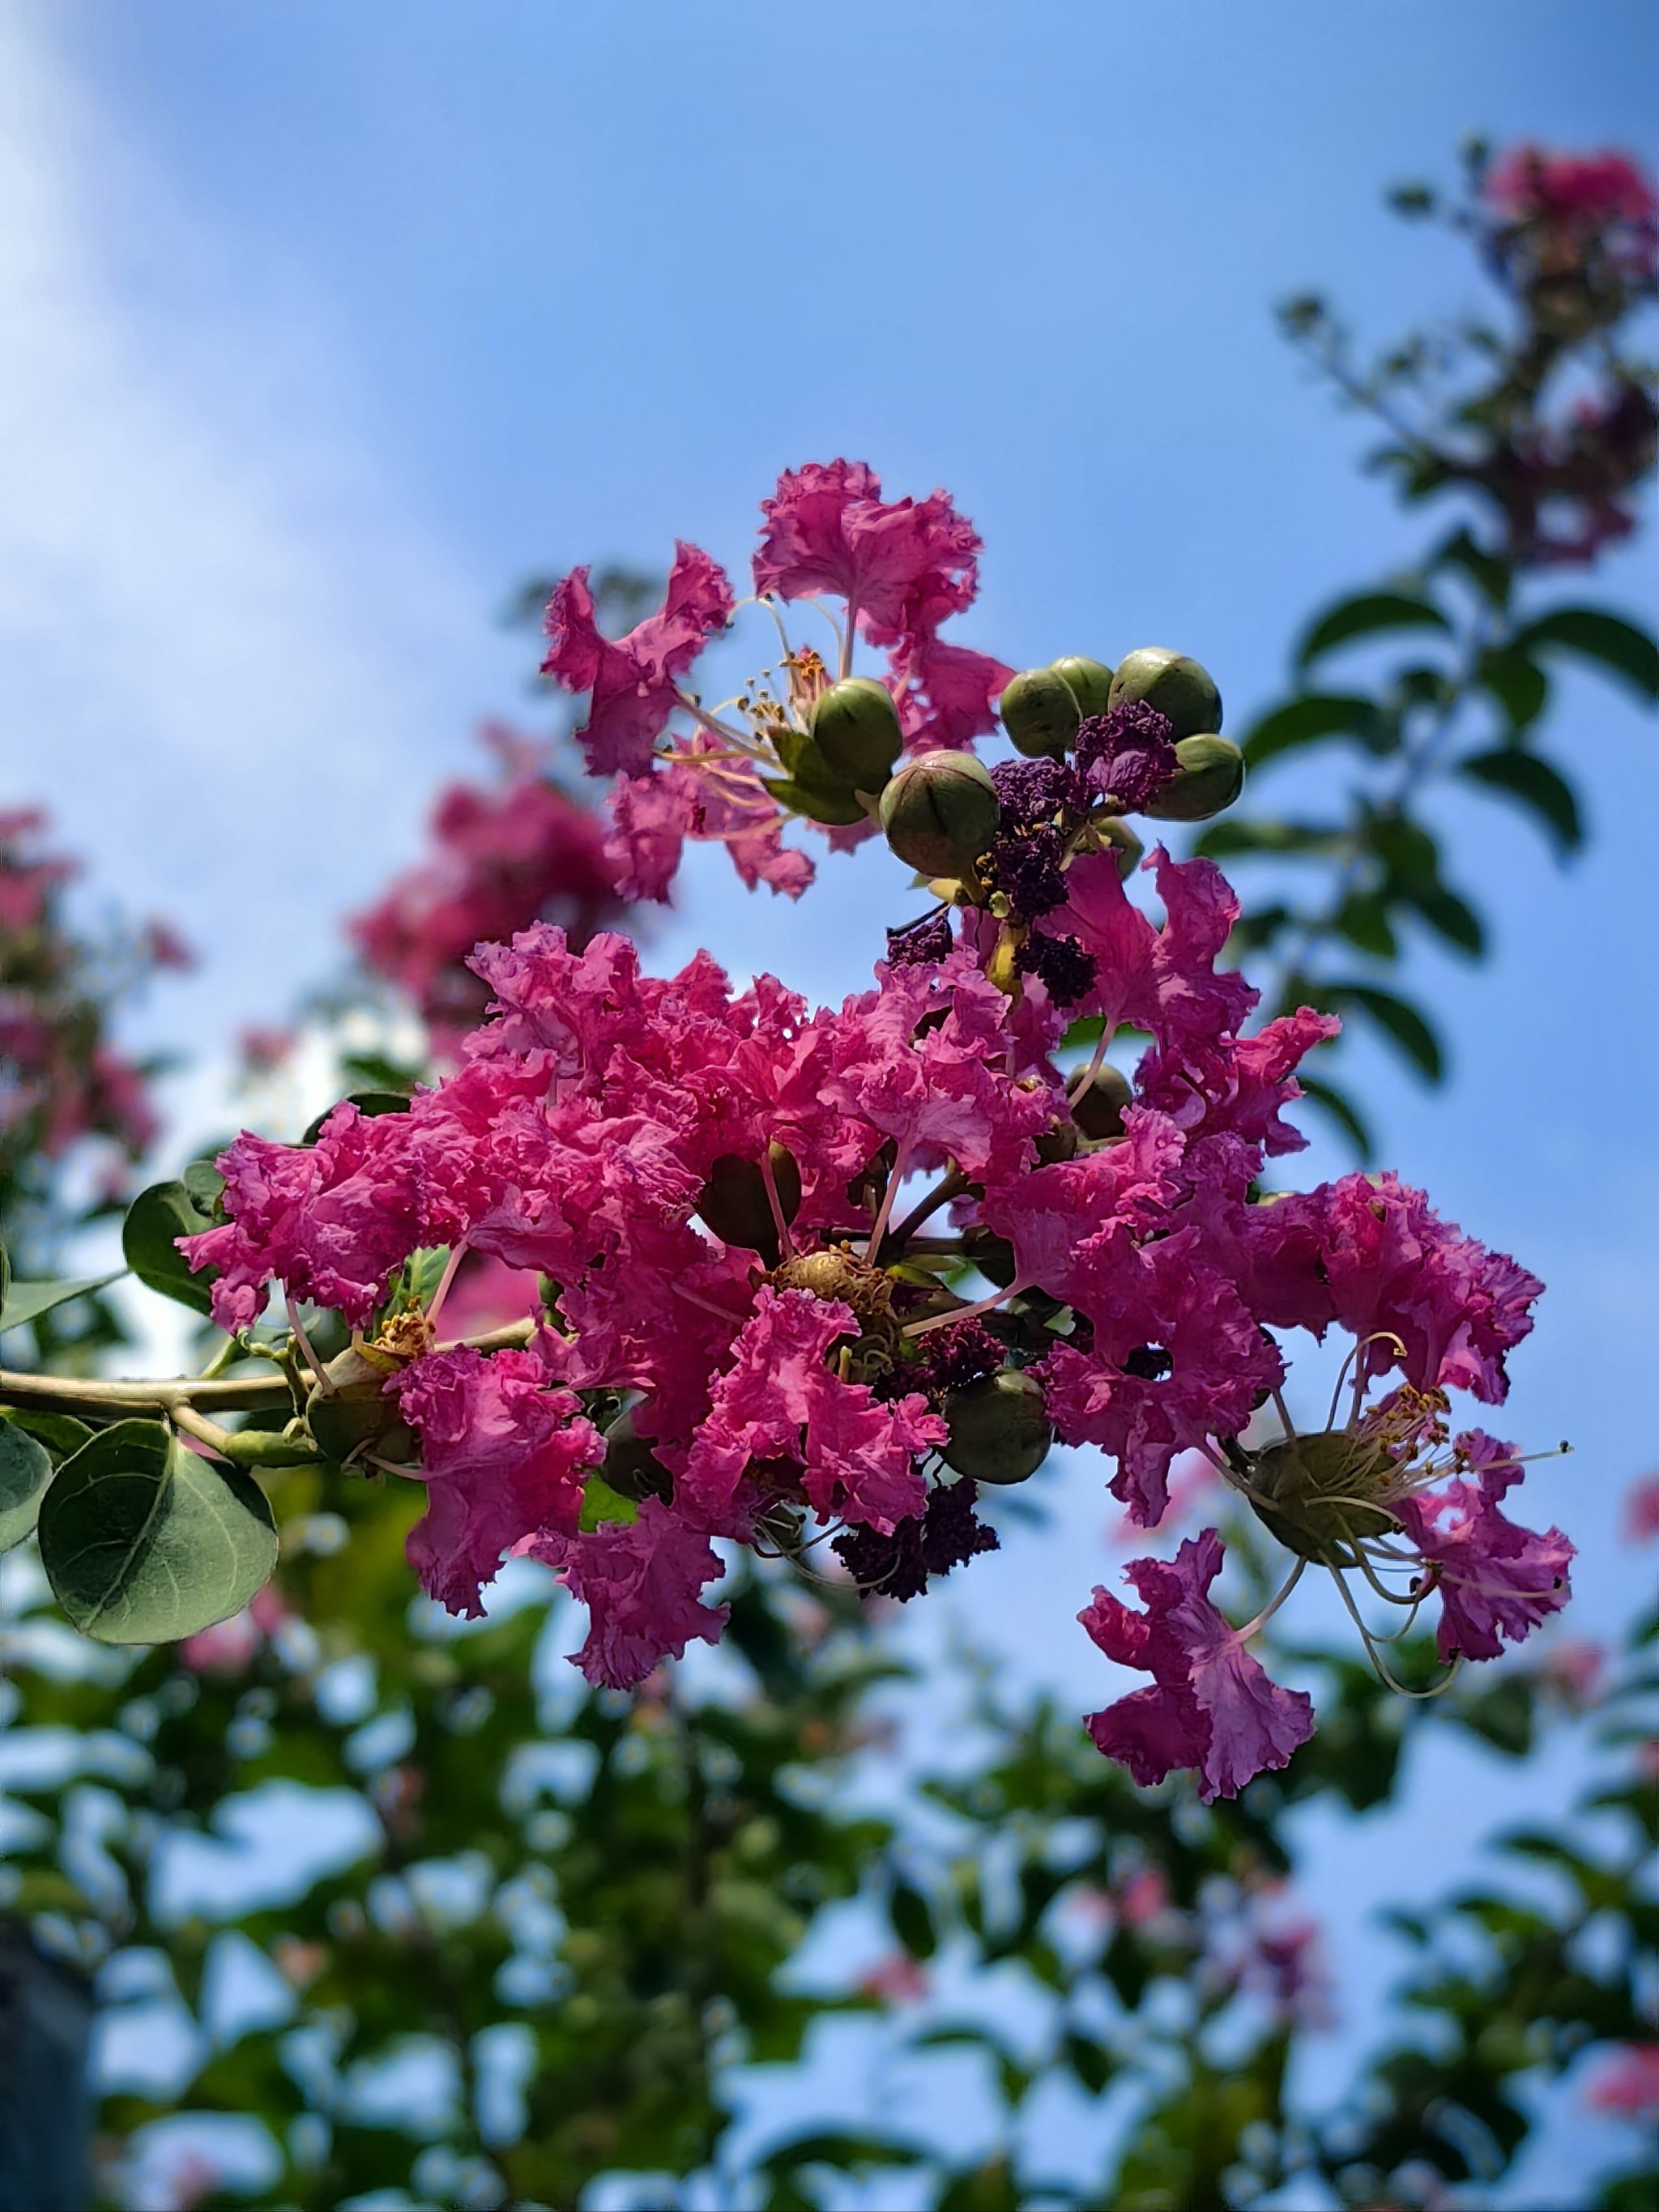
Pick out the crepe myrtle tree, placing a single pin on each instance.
(682, 1864)
(808, 1280)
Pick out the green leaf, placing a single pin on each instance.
(1305, 721)
(24, 1471)
(59, 1433)
(1613, 644)
(1490, 573)
(1534, 784)
(1448, 912)
(1338, 1105)
(145, 1542)
(1364, 922)
(155, 1216)
(1366, 616)
(204, 1182)
(27, 1302)
(1396, 1017)
(367, 1102)
(1518, 683)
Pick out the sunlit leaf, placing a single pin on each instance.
(145, 1542)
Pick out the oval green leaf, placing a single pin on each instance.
(24, 1471)
(1533, 783)
(1366, 616)
(1307, 720)
(145, 1542)
(156, 1218)
(1613, 644)
(27, 1302)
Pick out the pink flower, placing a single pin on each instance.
(641, 1584)
(1370, 1253)
(1174, 1357)
(1212, 1707)
(502, 1456)
(905, 566)
(1642, 1510)
(851, 1454)
(1528, 180)
(1496, 1580)
(634, 680)
(501, 858)
(653, 815)
(1162, 980)
(1629, 2086)
(330, 1220)
(945, 693)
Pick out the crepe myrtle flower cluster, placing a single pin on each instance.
(817, 1277)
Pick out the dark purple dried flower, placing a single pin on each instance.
(1028, 869)
(1126, 756)
(1062, 964)
(1030, 791)
(918, 943)
(948, 1534)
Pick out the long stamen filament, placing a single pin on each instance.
(1243, 1635)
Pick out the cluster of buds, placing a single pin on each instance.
(808, 1278)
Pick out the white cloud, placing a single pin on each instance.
(234, 651)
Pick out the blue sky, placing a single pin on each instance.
(327, 325)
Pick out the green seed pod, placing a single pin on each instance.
(999, 1428)
(358, 1412)
(939, 812)
(1114, 830)
(1059, 1143)
(1041, 713)
(1090, 682)
(1209, 778)
(1320, 1485)
(1174, 683)
(855, 727)
(631, 1468)
(734, 1203)
(1099, 1112)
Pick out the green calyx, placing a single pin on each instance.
(1209, 778)
(812, 787)
(1000, 1429)
(1090, 682)
(736, 1205)
(1174, 683)
(354, 1414)
(1320, 1489)
(939, 812)
(1099, 1113)
(1041, 713)
(631, 1468)
(855, 730)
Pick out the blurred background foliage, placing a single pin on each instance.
(519, 1943)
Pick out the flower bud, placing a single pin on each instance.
(1000, 1429)
(631, 1468)
(1099, 1112)
(855, 728)
(939, 812)
(1210, 777)
(1041, 713)
(1318, 1486)
(1090, 682)
(357, 1412)
(1173, 682)
(734, 1204)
